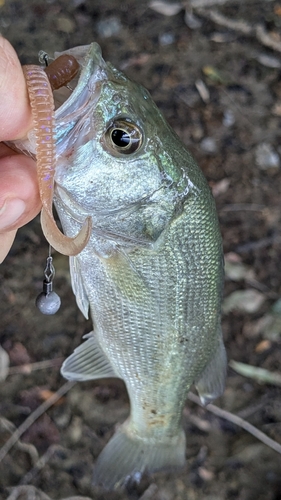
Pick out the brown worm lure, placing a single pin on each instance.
(42, 105)
(62, 70)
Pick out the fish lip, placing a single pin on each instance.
(76, 109)
(69, 205)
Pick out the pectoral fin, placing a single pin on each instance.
(211, 383)
(88, 362)
(78, 286)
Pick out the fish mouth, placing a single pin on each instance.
(92, 69)
(75, 109)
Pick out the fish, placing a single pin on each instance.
(151, 273)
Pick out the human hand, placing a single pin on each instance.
(19, 196)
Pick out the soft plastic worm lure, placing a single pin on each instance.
(42, 106)
(62, 70)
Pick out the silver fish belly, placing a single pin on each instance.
(152, 271)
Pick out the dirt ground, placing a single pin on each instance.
(218, 84)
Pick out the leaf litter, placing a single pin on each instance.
(249, 210)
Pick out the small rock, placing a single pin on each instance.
(192, 21)
(205, 474)
(77, 3)
(166, 39)
(65, 24)
(266, 157)
(208, 145)
(276, 307)
(228, 118)
(197, 131)
(109, 27)
(225, 37)
(75, 430)
(276, 109)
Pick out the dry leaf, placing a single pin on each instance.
(277, 10)
(19, 354)
(220, 187)
(271, 327)
(45, 394)
(259, 374)
(276, 109)
(26, 492)
(165, 8)
(237, 271)
(203, 90)
(262, 346)
(247, 301)
(4, 364)
(266, 157)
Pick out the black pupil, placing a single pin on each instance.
(120, 138)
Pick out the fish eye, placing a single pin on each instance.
(123, 136)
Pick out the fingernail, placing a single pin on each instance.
(10, 212)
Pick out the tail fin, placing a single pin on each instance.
(125, 458)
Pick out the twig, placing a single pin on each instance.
(251, 246)
(41, 462)
(246, 29)
(149, 493)
(216, 17)
(266, 39)
(219, 412)
(262, 288)
(40, 365)
(33, 417)
(6, 425)
(231, 24)
(247, 207)
(197, 4)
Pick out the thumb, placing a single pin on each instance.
(15, 111)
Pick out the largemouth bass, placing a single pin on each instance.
(152, 271)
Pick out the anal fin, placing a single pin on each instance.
(211, 383)
(88, 362)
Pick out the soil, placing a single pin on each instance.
(220, 89)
